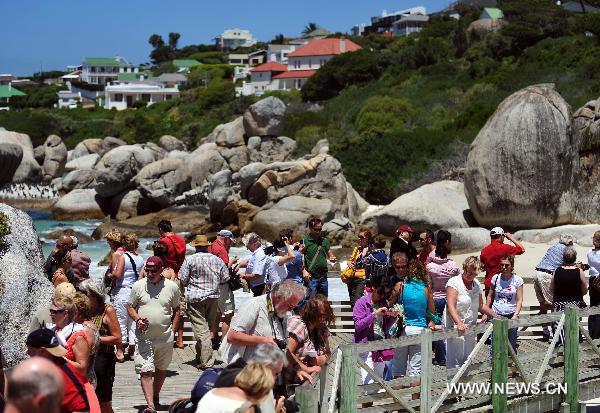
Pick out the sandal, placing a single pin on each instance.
(149, 409)
(120, 359)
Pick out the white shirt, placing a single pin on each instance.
(594, 262)
(467, 301)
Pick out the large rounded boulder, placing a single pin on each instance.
(55, 157)
(117, 169)
(438, 205)
(28, 170)
(265, 117)
(171, 143)
(164, 180)
(24, 289)
(522, 164)
(78, 204)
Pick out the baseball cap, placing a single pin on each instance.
(44, 338)
(496, 231)
(402, 228)
(227, 234)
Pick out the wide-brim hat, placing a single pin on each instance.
(200, 241)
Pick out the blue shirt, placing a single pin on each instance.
(294, 268)
(414, 299)
(256, 265)
(553, 257)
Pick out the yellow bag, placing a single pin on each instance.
(347, 274)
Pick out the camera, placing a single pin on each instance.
(584, 267)
(282, 344)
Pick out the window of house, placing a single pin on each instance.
(118, 97)
(93, 69)
(260, 74)
(146, 97)
(101, 69)
(309, 63)
(168, 97)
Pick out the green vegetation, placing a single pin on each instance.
(390, 111)
(5, 228)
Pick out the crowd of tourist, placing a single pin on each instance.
(280, 337)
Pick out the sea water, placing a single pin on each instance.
(97, 250)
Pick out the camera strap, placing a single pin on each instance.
(271, 314)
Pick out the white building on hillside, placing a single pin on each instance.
(279, 52)
(67, 99)
(234, 38)
(123, 96)
(103, 70)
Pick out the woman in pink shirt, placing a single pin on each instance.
(441, 269)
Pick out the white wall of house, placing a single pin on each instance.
(279, 55)
(261, 82)
(102, 75)
(122, 96)
(307, 62)
(288, 84)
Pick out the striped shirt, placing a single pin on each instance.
(203, 272)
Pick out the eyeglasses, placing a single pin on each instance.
(56, 311)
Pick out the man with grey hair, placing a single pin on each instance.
(544, 272)
(255, 266)
(35, 386)
(260, 321)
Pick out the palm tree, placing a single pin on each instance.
(156, 41)
(310, 27)
(279, 39)
(173, 39)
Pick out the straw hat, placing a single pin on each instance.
(200, 241)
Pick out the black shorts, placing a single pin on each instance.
(104, 366)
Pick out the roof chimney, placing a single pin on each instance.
(342, 45)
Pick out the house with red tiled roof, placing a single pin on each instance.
(302, 64)
(261, 76)
(306, 60)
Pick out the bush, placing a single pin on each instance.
(138, 104)
(380, 114)
(306, 138)
(5, 228)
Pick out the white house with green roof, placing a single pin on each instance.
(6, 92)
(491, 13)
(102, 70)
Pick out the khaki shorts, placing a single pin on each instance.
(226, 301)
(182, 305)
(541, 285)
(152, 356)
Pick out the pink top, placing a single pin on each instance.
(441, 270)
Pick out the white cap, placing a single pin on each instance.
(496, 231)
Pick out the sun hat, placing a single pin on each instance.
(200, 241)
(44, 338)
(227, 234)
(496, 231)
(94, 287)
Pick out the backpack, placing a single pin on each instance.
(205, 383)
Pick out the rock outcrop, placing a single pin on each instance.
(117, 169)
(79, 179)
(23, 285)
(439, 205)
(170, 143)
(522, 164)
(265, 117)
(97, 146)
(11, 155)
(270, 149)
(162, 181)
(55, 158)
(203, 162)
(28, 170)
(583, 234)
(83, 162)
(78, 204)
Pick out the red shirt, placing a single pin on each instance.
(491, 256)
(424, 254)
(74, 400)
(218, 248)
(176, 247)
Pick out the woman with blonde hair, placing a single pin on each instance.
(125, 273)
(252, 385)
(464, 300)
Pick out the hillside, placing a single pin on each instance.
(390, 111)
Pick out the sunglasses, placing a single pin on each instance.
(152, 269)
(56, 311)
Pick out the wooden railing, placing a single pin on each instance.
(536, 364)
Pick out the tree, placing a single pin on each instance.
(173, 39)
(279, 39)
(156, 41)
(310, 27)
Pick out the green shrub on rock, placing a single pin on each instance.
(5, 227)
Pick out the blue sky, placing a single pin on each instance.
(56, 33)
